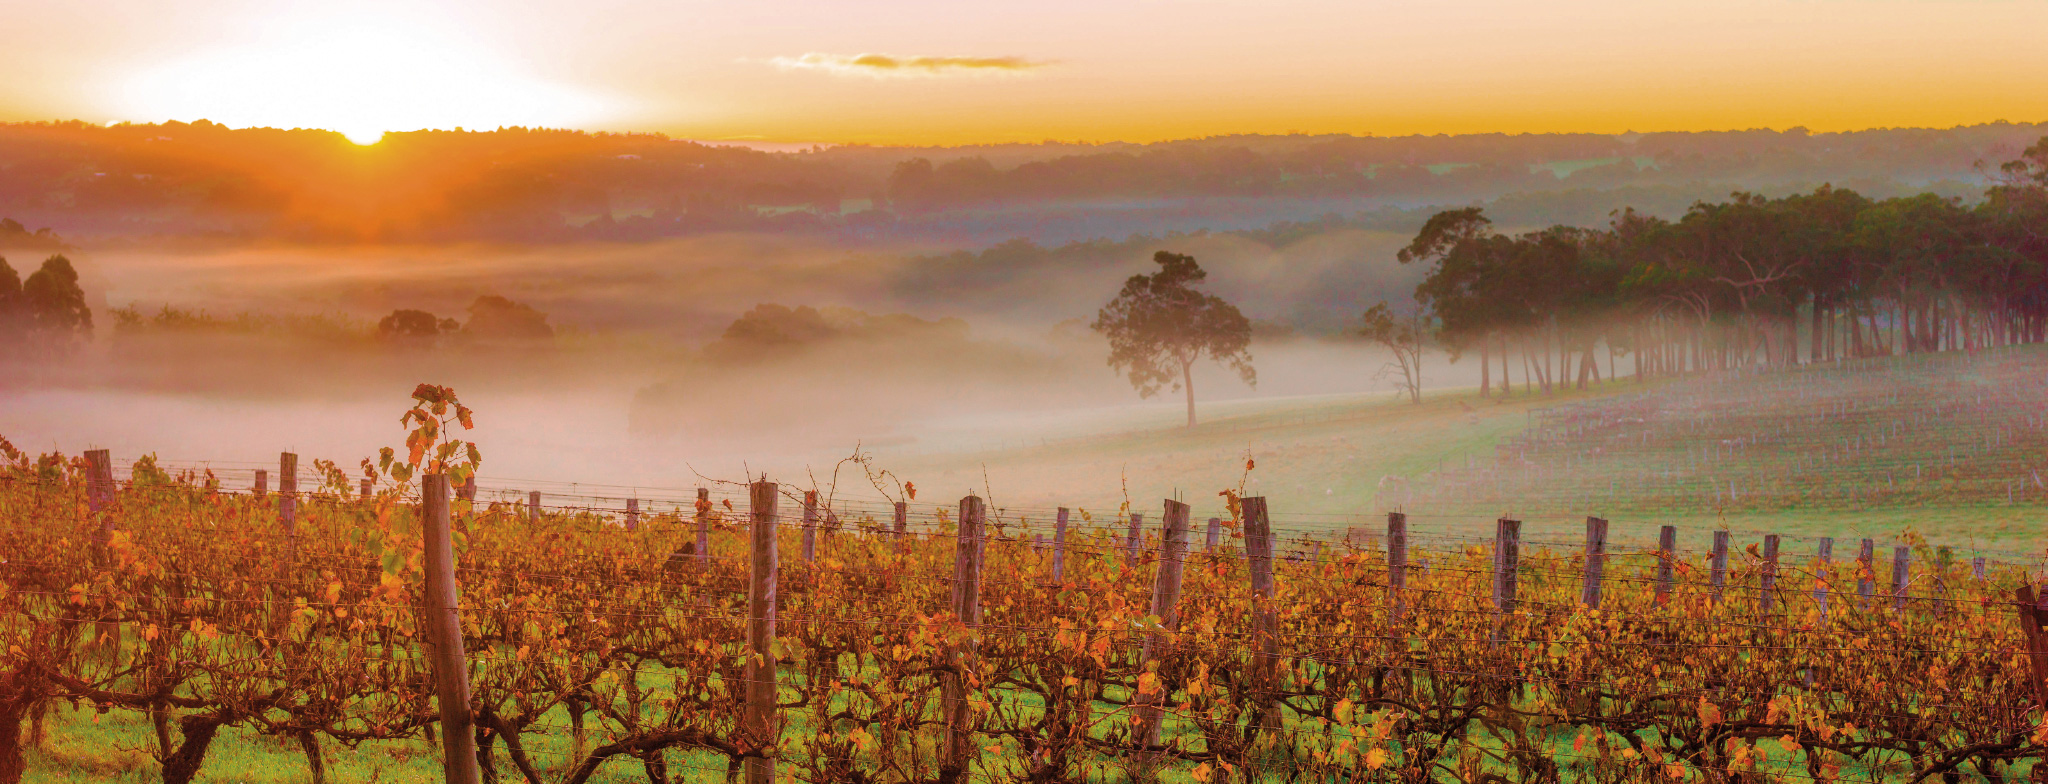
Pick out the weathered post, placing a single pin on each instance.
(99, 493)
(704, 526)
(1667, 543)
(366, 490)
(533, 505)
(810, 526)
(902, 518)
(444, 631)
(1215, 536)
(468, 489)
(1507, 556)
(759, 721)
(1173, 550)
(1902, 558)
(1767, 596)
(288, 492)
(262, 483)
(2032, 616)
(632, 514)
(288, 505)
(1977, 568)
(1866, 572)
(1824, 574)
(1059, 546)
(1136, 542)
(1397, 563)
(1258, 546)
(1944, 558)
(1596, 561)
(959, 710)
(1720, 564)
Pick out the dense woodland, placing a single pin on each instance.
(205, 180)
(1749, 281)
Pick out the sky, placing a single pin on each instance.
(930, 72)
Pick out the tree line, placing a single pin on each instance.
(44, 313)
(1747, 282)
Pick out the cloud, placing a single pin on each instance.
(884, 66)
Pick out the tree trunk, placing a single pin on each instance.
(1485, 369)
(182, 767)
(314, 762)
(1507, 383)
(1187, 378)
(14, 705)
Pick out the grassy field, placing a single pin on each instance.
(1331, 463)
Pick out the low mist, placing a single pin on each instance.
(228, 355)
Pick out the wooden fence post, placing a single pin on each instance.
(1866, 571)
(1667, 543)
(759, 720)
(1767, 598)
(810, 526)
(1943, 559)
(1977, 568)
(533, 505)
(1719, 564)
(366, 490)
(1136, 542)
(288, 492)
(99, 492)
(632, 514)
(958, 708)
(1059, 546)
(902, 518)
(1824, 574)
(1258, 545)
(2031, 619)
(1215, 536)
(1902, 558)
(288, 505)
(1507, 554)
(1596, 560)
(1173, 551)
(468, 489)
(704, 526)
(1397, 563)
(262, 483)
(444, 629)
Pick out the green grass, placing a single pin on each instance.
(1330, 463)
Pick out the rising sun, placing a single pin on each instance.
(359, 76)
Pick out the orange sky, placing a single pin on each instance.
(930, 72)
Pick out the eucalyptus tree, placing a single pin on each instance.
(1159, 326)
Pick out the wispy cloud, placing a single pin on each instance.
(885, 66)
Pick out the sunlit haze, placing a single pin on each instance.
(927, 72)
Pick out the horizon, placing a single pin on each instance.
(911, 74)
(803, 146)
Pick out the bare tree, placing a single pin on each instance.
(1404, 334)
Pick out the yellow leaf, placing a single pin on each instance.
(1148, 684)
(1375, 758)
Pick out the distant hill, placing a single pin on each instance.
(203, 180)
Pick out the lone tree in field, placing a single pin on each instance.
(1159, 326)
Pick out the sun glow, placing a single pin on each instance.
(360, 76)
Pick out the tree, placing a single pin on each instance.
(1404, 335)
(492, 316)
(1159, 324)
(55, 305)
(413, 326)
